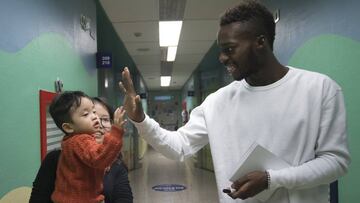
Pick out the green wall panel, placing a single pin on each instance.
(23, 74)
(339, 58)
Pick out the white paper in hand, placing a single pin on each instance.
(257, 158)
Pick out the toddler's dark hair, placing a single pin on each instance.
(63, 104)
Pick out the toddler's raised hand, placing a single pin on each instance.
(119, 117)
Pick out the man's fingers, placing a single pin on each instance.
(238, 183)
(139, 110)
(127, 82)
(138, 101)
(240, 187)
(122, 88)
(242, 193)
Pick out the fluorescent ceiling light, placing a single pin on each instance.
(165, 81)
(169, 32)
(171, 53)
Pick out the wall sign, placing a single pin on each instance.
(104, 60)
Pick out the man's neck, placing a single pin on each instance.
(268, 74)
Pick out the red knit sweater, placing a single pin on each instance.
(81, 167)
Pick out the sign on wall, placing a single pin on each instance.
(104, 60)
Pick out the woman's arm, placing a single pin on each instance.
(44, 183)
(117, 181)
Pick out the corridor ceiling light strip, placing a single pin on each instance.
(165, 81)
(171, 53)
(169, 33)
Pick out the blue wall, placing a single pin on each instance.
(24, 20)
(303, 20)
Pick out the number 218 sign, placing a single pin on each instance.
(104, 60)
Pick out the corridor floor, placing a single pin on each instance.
(158, 170)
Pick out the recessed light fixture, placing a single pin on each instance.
(171, 54)
(169, 32)
(165, 81)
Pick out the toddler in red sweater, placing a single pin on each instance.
(83, 161)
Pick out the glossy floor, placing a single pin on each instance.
(159, 170)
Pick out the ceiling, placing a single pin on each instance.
(137, 24)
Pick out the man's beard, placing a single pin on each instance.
(251, 67)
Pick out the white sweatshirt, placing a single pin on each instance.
(301, 118)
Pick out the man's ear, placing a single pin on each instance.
(67, 127)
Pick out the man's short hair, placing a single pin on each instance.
(63, 105)
(251, 11)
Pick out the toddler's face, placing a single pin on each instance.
(84, 118)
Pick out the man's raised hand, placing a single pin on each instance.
(132, 103)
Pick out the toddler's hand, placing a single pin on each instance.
(119, 119)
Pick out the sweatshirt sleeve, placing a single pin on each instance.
(179, 144)
(332, 156)
(97, 155)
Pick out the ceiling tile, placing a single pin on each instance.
(188, 58)
(149, 31)
(194, 47)
(183, 69)
(146, 59)
(207, 9)
(130, 10)
(143, 48)
(149, 68)
(199, 30)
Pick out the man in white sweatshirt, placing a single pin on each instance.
(298, 115)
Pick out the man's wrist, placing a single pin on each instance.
(138, 119)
